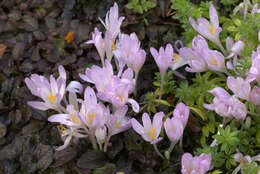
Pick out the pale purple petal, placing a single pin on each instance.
(39, 105)
(135, 105)
(137, 126)
(213, 16)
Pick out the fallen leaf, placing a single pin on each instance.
(2, 50)
(69, 37)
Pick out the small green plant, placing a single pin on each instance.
(140, 6)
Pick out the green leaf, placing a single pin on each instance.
(199, 112)
(164, 102)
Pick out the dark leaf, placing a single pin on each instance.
(92, 159)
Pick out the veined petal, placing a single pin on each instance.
(74, 86)
(66, 143)
(135, 105)
(137, 126)
(213, 16)
(39, 105)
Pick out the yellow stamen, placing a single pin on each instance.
(91, 118)
(75, 119)
(215, 62)
(151, 133)
(176, 56)
(113, 46)
(69, 37)
(212, 30)
(121, 98)
(189, 171)
(127, 55)
(51, 98)
(117, 124)
(62, 129)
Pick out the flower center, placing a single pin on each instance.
(215, 62)
(176, 56)
(121, 98)
(212, 30)
(51, 98)
(62, 129)
(127, 55)
(117, 124)
(113, 45)
(151, 133)
(75, 119)
(91, 118)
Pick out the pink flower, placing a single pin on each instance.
(163, 58)
(181, 112)
(209, 30)
(214, 59)
(226, 105)
(113, 21)
(255, 95)
(128, 49)
(92, 113)
(99, 43)
(194, 56)
(118, 122)
(150, 131)
(111, 88)
(255, 9)
(51, 92)
(254, 71)
(195, 165)
(174, 129)
(240, 87)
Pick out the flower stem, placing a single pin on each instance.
(93, 141)
(161, 87)
(221, 48)
(157, 151)
(136, 78)
(106, 143)
(168, 152)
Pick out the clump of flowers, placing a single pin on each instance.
(100, 112)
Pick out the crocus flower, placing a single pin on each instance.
(182, 112)
(112, 88)
(244, 161)
(174, 129)
(214, 59)
(209, 30)
(240, 87)
(239, 110)
(113, 21)
(226, 105)
(71, 118)
(163, 58)
(177, 62)
(99, 43)
(129, 50)
(118, 122)
(51, 92)
(255, 9)
(150, 130)
(194, 56)
(92, 113)
(254, 71)
(67, 134)
(255, 95)
(195, 165)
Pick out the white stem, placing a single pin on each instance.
(157, 151)
(161, 86)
